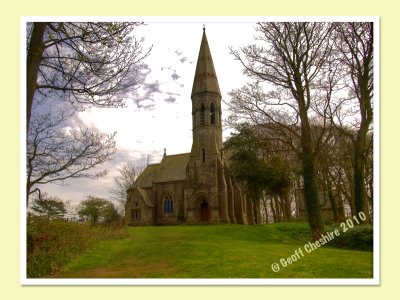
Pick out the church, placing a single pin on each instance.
(192, 188)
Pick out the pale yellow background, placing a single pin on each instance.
(10, 124)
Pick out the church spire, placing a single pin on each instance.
(205, 78)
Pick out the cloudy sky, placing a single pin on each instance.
(158, 112)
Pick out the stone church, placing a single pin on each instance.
(192, 187)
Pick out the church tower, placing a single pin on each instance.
(206, 101)
(206, 196)
(192, 187)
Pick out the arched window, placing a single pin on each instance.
(212, 114)
(168, 204)
(203, 155)
(135, 214)
(202, 119)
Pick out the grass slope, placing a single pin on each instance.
(216, 251)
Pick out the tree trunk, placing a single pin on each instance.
(296, 197)
(332, 200)
(28, 190)
(255, 198)
(273, 210)
(34, 59)
(311, 199)
(359, 174)
(350, 198)
(338, 198)
(265, 209)
(287, 209)
(278, 209)
(257, 209)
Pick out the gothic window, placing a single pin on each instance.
(168, 204)
(135, 214)
(203, 155)
(202, 118)
(212, 114)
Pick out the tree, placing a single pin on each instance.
(294, 60)
(55, 154)
(49, 207)
(355, 43)
(97, 210)
(333, 161)
(86, 63)
(246, 166)
(126, 178)
(279, 184)
(260, 174)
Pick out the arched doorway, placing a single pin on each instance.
(204, 211)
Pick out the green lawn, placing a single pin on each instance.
(216, 251)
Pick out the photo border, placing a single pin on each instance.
(375, 280)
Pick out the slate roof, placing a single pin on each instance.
(145, 179)
(146, 197)
(205, 77)
(171, 168)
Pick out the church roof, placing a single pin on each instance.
(205, 77)
(146, 197)
(145, 179)
(172, 168)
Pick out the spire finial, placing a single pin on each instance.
(165, 151)
(204, 28)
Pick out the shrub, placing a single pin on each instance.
(52, 243)
(359, 237)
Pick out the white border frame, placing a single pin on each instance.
(200, 282)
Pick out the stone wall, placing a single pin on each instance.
(175, 190)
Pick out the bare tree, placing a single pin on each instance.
(355, 43)
(292, 63)
(85, 63)
(128, 174)
(334, 157)
(56, 153)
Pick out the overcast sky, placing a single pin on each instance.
(158, 112)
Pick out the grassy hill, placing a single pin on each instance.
(216, 251)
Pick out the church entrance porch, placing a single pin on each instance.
(201, 212)
(204, 212)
